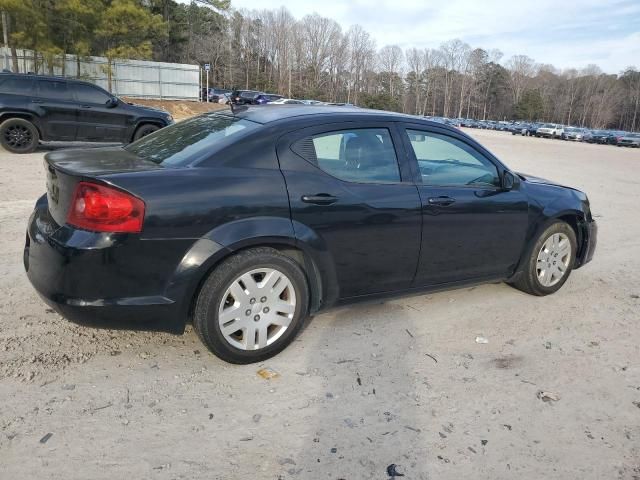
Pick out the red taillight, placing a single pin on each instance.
(105, 209)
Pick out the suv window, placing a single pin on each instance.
(89, 94)
(444, 160)
(360, 155)
(16, 86)
(54, 89)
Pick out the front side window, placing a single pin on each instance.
(55, 90)
(444, 160)
(89, 94)
(362, 155)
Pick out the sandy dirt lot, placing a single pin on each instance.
(402, 382)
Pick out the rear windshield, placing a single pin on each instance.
(186, 142)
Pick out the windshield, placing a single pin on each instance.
(184, 142)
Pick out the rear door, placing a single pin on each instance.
(58, 108)
(472, 227)
(98, 120)
(351, 197)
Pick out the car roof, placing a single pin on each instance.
(273, 113)
(47, 77)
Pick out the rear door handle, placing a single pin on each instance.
(441, 201)
(319, 199)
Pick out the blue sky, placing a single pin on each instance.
(564, 33)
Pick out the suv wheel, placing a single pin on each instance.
(18, 135)
(252, 306)
(144, 130)
(550, 261)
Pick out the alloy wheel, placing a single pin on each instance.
(553, 259)
(257, 308)
(18, 136)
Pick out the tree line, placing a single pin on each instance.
(314, 57)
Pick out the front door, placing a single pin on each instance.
(349, 194)
(472, 227)
(98, 120)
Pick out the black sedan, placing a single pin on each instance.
(246, 223)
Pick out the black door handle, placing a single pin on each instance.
(319, 199)
(441, 201)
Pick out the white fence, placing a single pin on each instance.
(130, 78)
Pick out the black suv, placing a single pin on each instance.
(34, 108)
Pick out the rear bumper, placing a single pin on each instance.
(102, 280)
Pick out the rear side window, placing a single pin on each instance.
(364, 155)
(17, 86)
(89, 94)
(182, 143)
(53, 89)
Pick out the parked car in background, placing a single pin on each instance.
(244, 97)
(312, 102)
(573, 133)
(286, 101)
(550, 130)
(214, 94)
(519, 129)
(224, 98)
(598, 136)
(532, 129)
(264, 98)
(615, 136)
(245, 224)
(36, 108)
(630, 140)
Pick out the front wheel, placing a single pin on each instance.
(550, 261)
(144, 130)
(252, 306)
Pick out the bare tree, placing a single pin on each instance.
(521, 69)
(390, 60)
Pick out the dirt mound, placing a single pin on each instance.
(179, 109)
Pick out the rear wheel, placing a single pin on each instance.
(144, 130)
(252, 306)
(550, 261)
(18, 135)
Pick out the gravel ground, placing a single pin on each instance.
(402, 382)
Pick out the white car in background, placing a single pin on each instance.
(550, 130)
(286, 101)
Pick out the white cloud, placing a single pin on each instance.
(565, 34)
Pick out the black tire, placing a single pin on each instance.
(205, 319)
(144, 130)
(528, 281)
(18, 135)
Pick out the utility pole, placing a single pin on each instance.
(207, 67)
(5, 32)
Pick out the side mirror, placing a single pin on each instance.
(508, 180)
(112, 102)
